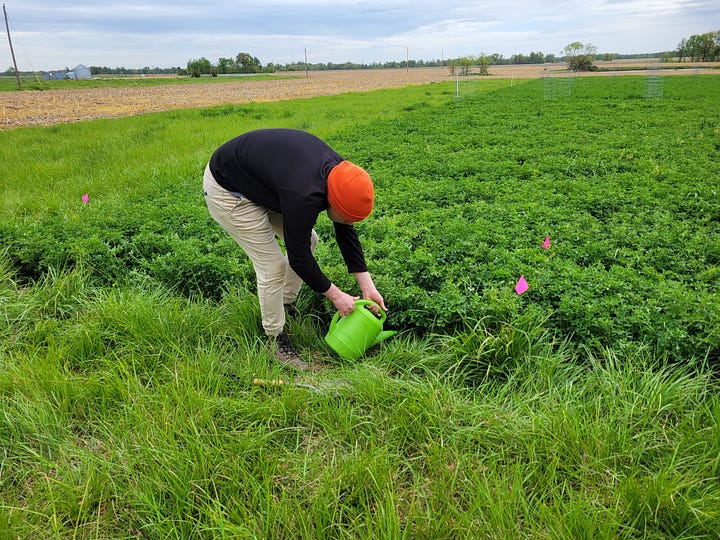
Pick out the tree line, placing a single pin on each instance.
(242, 63)
(579, 56)
(700, 47)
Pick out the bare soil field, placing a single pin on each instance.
(26, 108)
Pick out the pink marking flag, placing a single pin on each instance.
(522, 285)
(546, 243)
(85, 198)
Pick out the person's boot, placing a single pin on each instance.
(292, 310)
(285, 354)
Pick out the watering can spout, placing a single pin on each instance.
(383, 336)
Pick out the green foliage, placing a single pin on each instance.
(700, 47)
(465, 64)
(120, 81)
(623, 186)
(162, 237)
(466, 192)
(580, 56)
(199, 66)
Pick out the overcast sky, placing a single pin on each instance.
(53, 34)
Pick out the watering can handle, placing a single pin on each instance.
(334, 321)
(364, 303)
(358, 303)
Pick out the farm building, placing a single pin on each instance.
(81, 72)
(78, 72)
(54, 76)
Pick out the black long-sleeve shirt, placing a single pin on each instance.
(286, 170)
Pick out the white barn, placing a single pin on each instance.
(81, 72)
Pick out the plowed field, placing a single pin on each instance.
(55, 106)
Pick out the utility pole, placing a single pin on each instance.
(12, 52)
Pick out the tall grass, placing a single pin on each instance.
(131, 413)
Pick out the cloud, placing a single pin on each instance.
(164, 33)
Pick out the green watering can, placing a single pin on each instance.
(352, 335)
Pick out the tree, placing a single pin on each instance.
(201, 66)
(682, 49)
(496, 58)
(464, 64)
(483, 62)
(247, 63)
(703, 47)
(226, 65)
(536, 57)
(580, 56)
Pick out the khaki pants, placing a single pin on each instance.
(255, 228)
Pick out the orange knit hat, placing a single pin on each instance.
(350, 191)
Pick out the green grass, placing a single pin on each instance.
(131, 413)
(9, 84)
(137, 153)
(130, 333)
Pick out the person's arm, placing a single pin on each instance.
(298, 221)
(369, 291)
(343, 302)
(352, 252)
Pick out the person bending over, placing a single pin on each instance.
(274, 183)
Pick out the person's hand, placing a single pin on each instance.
(370, 292)
(343, 302)
(376, 297)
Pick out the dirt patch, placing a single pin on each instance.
(28, 108)
(54, 106)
